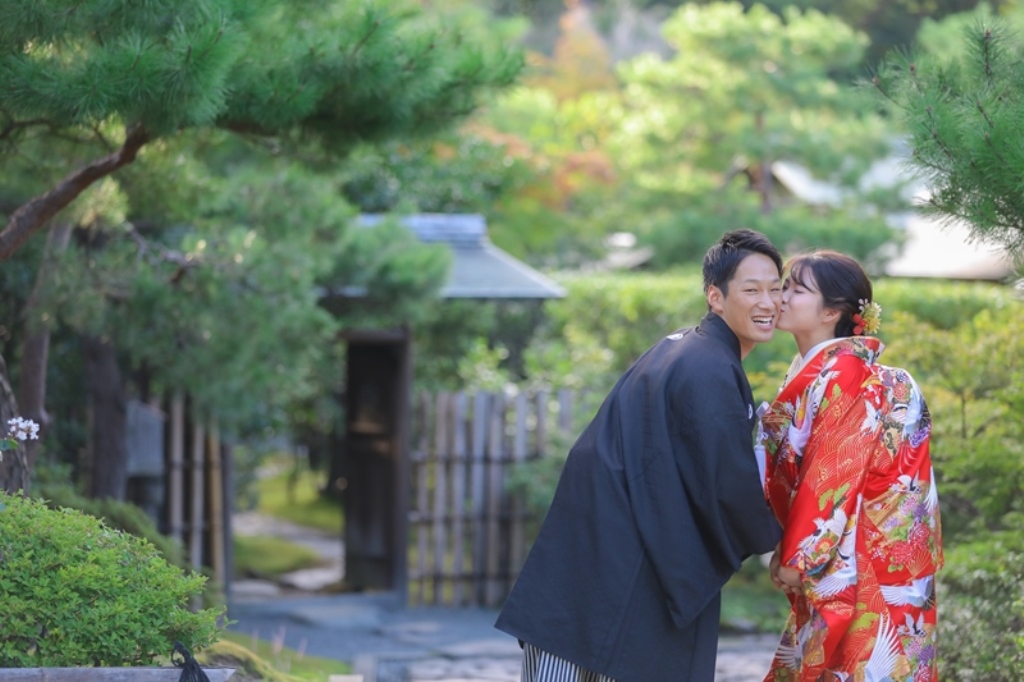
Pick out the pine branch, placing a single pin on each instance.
(33, 215)
(156, 254)
(986, 51)
(365, 39)
(981, 108)
(14, 126)
(988, 140)
(935, 135)
(877, 83)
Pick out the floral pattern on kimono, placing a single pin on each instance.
(849, 476)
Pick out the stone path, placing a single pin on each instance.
(743, 659)
(387, 642)
(306, 580)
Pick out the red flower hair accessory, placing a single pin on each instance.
(869, 319)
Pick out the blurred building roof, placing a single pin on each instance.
(479, 268)
(931, 248)
(936, 250)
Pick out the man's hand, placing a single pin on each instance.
(773, 569)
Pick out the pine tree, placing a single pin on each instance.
(101, 79)
(335, 73)
(704, 131)
(963, 116)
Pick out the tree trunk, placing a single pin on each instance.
(36, 345)
(765, 176)
(14, 473)
(108, 475)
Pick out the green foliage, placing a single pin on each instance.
(962, 114)
(680, 229)
(888, 23)
(535, 482)
(239, 292)
(396, 274)
(258, 67)
(465, 340)
(972, 376)
(941, 304)
(78, 593)
(122, 516)
(945, 37)
(297, 495)
(626, 313)
(981, 606)
(683, 110)
(700, 164)
(561, 216)
(461, 172)
(208, 258)
(751, 602)
(480, 368)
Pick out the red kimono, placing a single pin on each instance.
(850, 479)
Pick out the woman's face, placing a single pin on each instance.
(803, 307)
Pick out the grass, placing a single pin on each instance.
(260, 556)
(294, 495)
(257, 659)
(749, 600)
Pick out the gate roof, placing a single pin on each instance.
(479, 268)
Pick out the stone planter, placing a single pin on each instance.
(105, 674)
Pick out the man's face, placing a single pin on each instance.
(752, 305)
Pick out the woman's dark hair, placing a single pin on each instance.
(722, 259)
(840, 279)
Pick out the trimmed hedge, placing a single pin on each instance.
(76, 592)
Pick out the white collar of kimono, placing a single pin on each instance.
(802, 361)
(799, 362)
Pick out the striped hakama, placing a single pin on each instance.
(540, 666)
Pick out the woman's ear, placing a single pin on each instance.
(831, 316)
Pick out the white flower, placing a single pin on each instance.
(20, 429)
(23, 429)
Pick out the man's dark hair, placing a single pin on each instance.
(840, 279)
(722, 259)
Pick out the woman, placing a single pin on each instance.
(850, 479)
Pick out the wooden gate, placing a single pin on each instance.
(467, 532)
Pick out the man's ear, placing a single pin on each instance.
(716, 299)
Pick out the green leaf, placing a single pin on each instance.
(839, 493)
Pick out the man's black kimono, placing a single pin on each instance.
(659, 503)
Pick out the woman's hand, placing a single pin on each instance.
(784, 578)
(790, 579)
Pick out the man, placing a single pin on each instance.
(660, 499)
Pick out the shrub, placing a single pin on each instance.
(76, 592)
(981, 614)
(116, 514)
